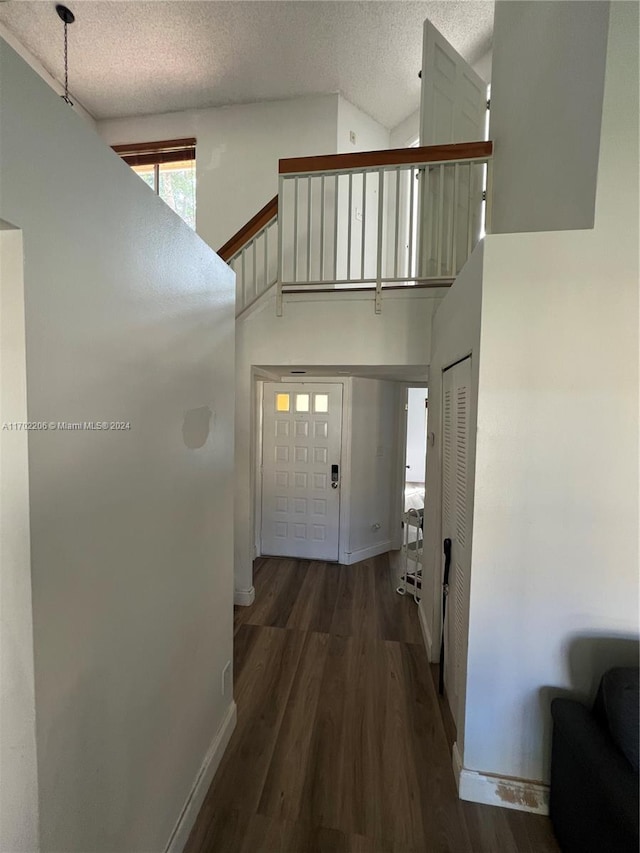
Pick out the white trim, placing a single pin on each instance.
(398, 508)
(258, 377)
(258, 303)
(345, 453)
(503, 791)
(426, 633)
(436, 292)
(456, 761)
(352, 557)
(244, 597)
(194, 801)
(345, 479)
(42, 72)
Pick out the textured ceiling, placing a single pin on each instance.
(133, 58)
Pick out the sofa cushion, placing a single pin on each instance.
(620, 702)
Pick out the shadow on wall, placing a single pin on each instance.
(588, 657)
(196, 427)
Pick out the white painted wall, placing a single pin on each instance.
(42, 72)
(238, 149)
(546, 103)
(18, 766)
(406, 132)
(483, 66)
(315, 330)
(416, 434)
(129, 317)
(554, 583)
(373, 498)
(455, 335)
(370, 134)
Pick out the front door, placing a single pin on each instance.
(301, 470)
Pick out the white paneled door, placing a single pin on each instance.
(453, 108)
(456, 525)
(301, 470)
(453, 105)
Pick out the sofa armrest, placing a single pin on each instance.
(597, 756)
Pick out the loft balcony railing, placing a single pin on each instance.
(373, 221)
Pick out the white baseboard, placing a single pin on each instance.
(244, 597)
(366, 553)
(503, 791)
(426, 633)
(212, 759)
(456, 760)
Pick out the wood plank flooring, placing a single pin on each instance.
(340, 745)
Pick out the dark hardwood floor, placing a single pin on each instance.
(340, 745)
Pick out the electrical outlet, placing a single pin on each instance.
(358, 214)
(352, 137)
(226, 679)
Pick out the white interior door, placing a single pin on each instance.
(456, 525)
(301, 469)
(453, 104)
(453, 108)
(415, 458)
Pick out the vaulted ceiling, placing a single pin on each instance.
(135, 58)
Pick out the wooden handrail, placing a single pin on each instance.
(363, 160)
(388, 157)
(241, 237)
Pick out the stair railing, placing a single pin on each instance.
(372, 221)
(379, 219)
(252, 253)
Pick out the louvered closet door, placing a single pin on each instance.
(456, 519)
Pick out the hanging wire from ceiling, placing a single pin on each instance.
(67, 17)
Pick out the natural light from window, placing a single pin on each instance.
(175, 183)
(169, 169)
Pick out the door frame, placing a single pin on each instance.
(345, 453)
(437, 428)
(402, 445)
(458, 717)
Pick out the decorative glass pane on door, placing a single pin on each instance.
(320, 403)
(282, 402)
(302, 402)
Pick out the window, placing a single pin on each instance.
(282, 402)
(320, 403)
(169, 168)
(302, 402)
